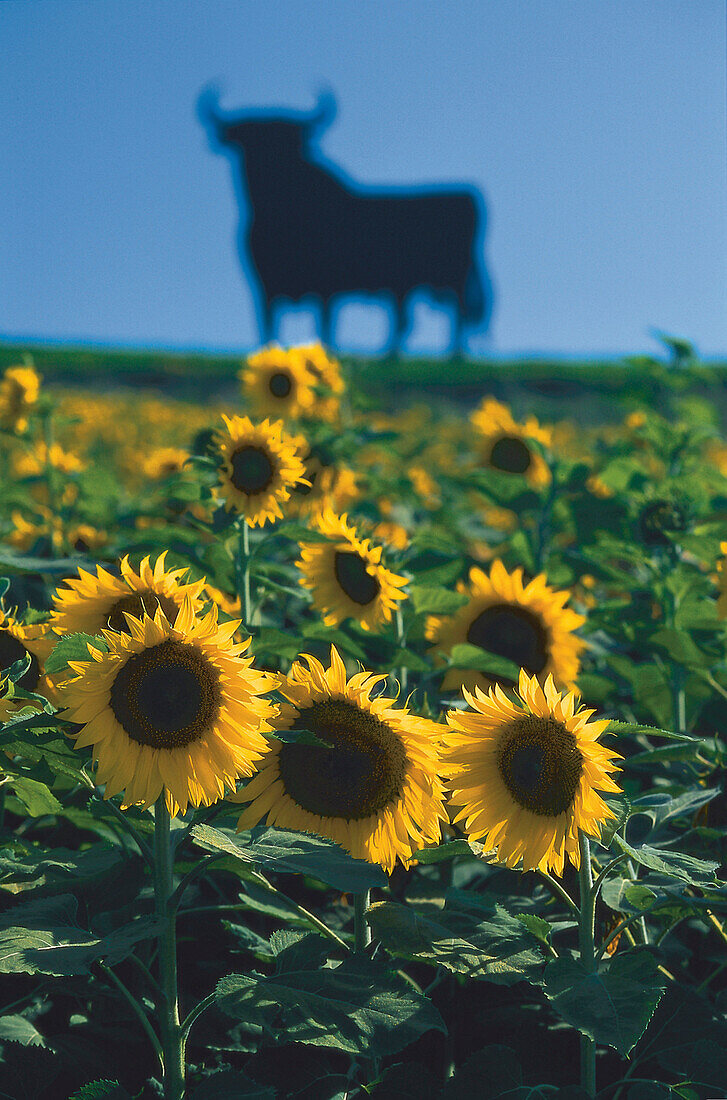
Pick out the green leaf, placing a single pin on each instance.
(296, 853)
(491, 946)
(73, 647)
(16, 1029)
(298, 532)
(64, 950)
(612, 1005)
(436, 601)
(688, 1038)
(64, 567)
(37, 798)
(360, 1006)
(465, 655)
(299, 737)
(689, 869)
(101, 1090)
(440, 853)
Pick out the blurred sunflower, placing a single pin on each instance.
(277, 383)
(18, 641)
(35, 463)
(92, 604)
(19, 389)
(506, 445)
(372, 787)
(171, 708)
(163, 462)
(327, 484)
(525, 623)
(326, 373)
(346, 575)
(260, 468)
(526, 773)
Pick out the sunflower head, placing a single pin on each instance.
(19, 390)
(325, 371)
(346, 575)
(18, 641)
(278, 383)
(526, 624)
(260, 468)
(526, 773)
(327, 483)
(170, 707)
(91, 603)
(369, 782)
(507, 446)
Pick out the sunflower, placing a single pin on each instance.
(346, 575)
(506, 445)
(92, 604)
(372, 786)
(525, 623)
(278, 384)
(328, 483)
(17, 641)
(163, 462)
(526, 773)
(36, 463)
(260, 468)
(326, 372)
(170, 707)
(19, 389)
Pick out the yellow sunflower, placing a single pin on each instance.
(373, 787)
(260, 468)
(277, 383)
(346, 575)
(92, 604)
(326, 372)
(328, 484)
(163, 462)
(171, 708)
(19, 389)
(505, 444)
(526, 773)
(16, 641)
(525, 623)
(34, 464)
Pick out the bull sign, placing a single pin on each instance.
(310, 235)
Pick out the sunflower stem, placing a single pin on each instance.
(361, 928)
(172, 1033)
(587, 946)
(401, 642)
(242, 570)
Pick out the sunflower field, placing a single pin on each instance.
(357, 748)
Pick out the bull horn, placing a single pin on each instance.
(324, 114)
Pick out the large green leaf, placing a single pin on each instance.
(73, 647)
(360, 1006)
(465, 655)
(231, 1085)
(436, 601)
(36, 797)
(492, 946)
(16, 1029)
(612, 1005)
(298, 853)
(63, 950)
(689, 869)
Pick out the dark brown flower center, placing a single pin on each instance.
(252, 470)
(167, 695)
(11, 650)
(512, 632)
(280, 384)
(511, 454)
(137, 605)
(361, 769)
(660, 518)
(351, 574)
(540, 764)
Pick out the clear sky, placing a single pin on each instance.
(595, 130)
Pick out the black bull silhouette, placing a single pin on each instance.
(312, 235)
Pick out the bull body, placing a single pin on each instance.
(312, 235)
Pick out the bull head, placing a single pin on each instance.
(290, 132)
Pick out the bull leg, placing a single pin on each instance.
(399, 327)
(265, 322)
(326, 324)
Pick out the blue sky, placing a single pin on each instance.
(595, 130)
